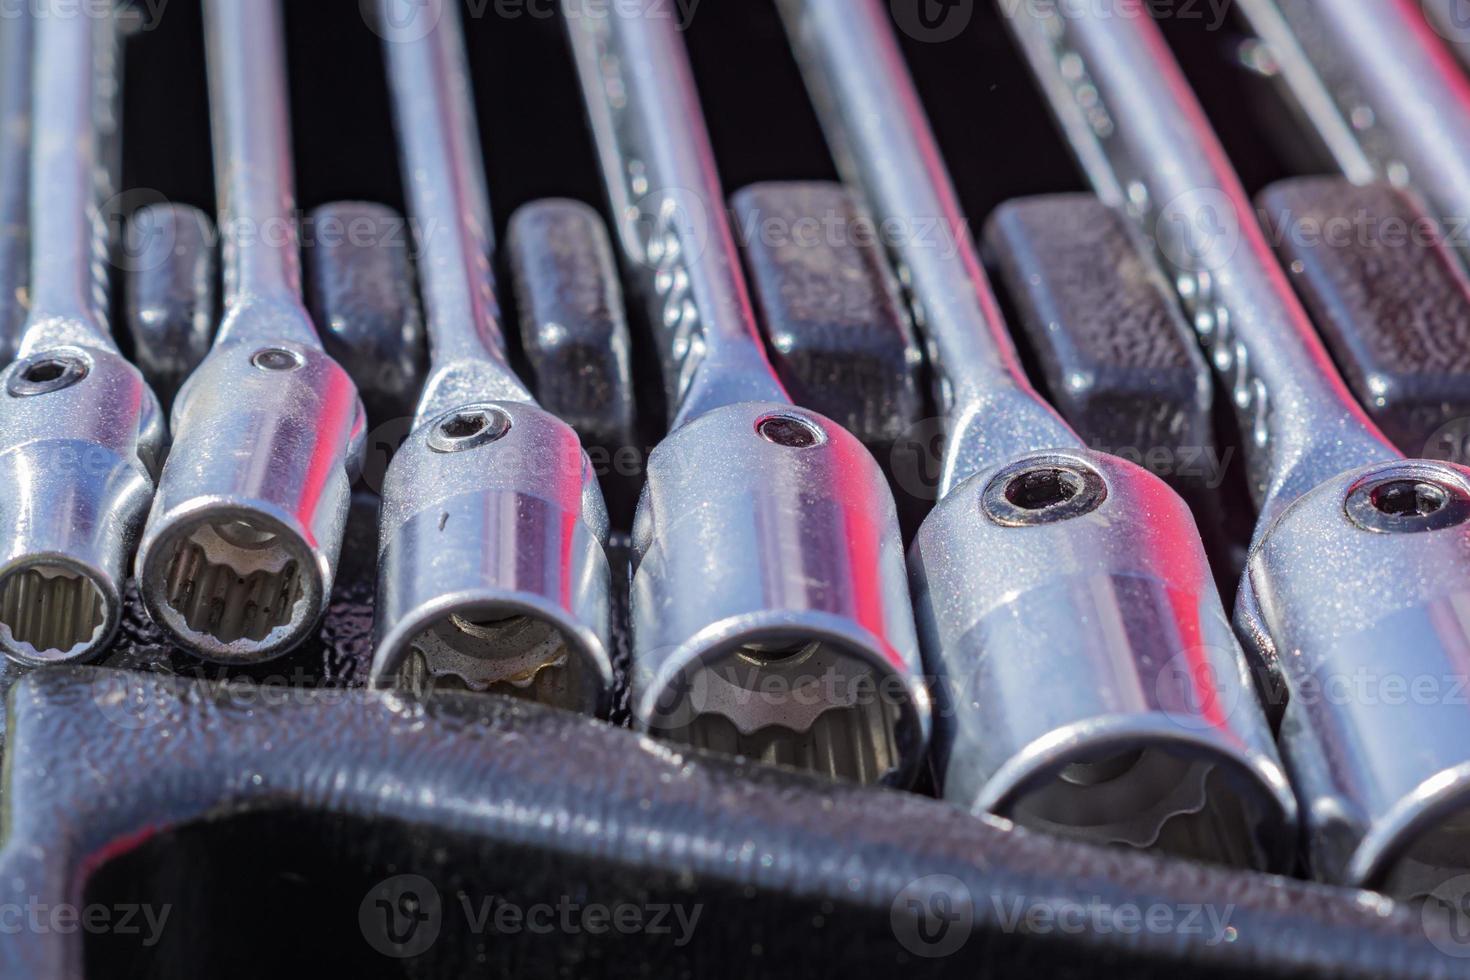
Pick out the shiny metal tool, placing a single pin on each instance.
(770, 609)
(17, 33)
(80, 432)
(1089, 681)
(1379, 87)
(1358, 582)
(240, 551)
(491, 569)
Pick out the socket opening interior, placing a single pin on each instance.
(1042, 488)
(1150, 799)
(500, 651)
(807, 703)
(232, 580)
(1409, 498)
(48, 611)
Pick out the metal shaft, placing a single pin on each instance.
(443, 167)
(669, 210)
(16, 39)
(252, 152)
(1147, 148)
(993, 413)
(1382, 88)
(75, 115)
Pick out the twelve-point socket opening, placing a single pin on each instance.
(1149, 798)
(47, 611)
(231, 579)
(501, 651)
(805, 702)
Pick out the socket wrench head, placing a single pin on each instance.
(1087, 679)
(80, 437)
(771, 613)
(491, 570)
(240, 551)
(1360, 587)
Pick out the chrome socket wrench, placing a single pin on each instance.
(1359, 570)
(491, 568)
(81, 433)
(239, 555)
(1379, 87)
(770, 609)
(1089, 683)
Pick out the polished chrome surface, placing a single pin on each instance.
(80, 431)
(771, 613)
(1064, 599)
(240, 552)
(1361, 559)
(491, 573)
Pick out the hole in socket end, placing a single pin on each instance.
(45, 373)
(791, 431)
(467, 428)
(276, 359)
(1408, 503)
(1043, 491)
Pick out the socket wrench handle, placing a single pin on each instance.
(80, 431)
(16, 41)
(669, 214)
(1088, 680)
(75, 132)
(240, 552)
(771, 616)
(1147, 148)
(492, 571)
(1360, 568)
